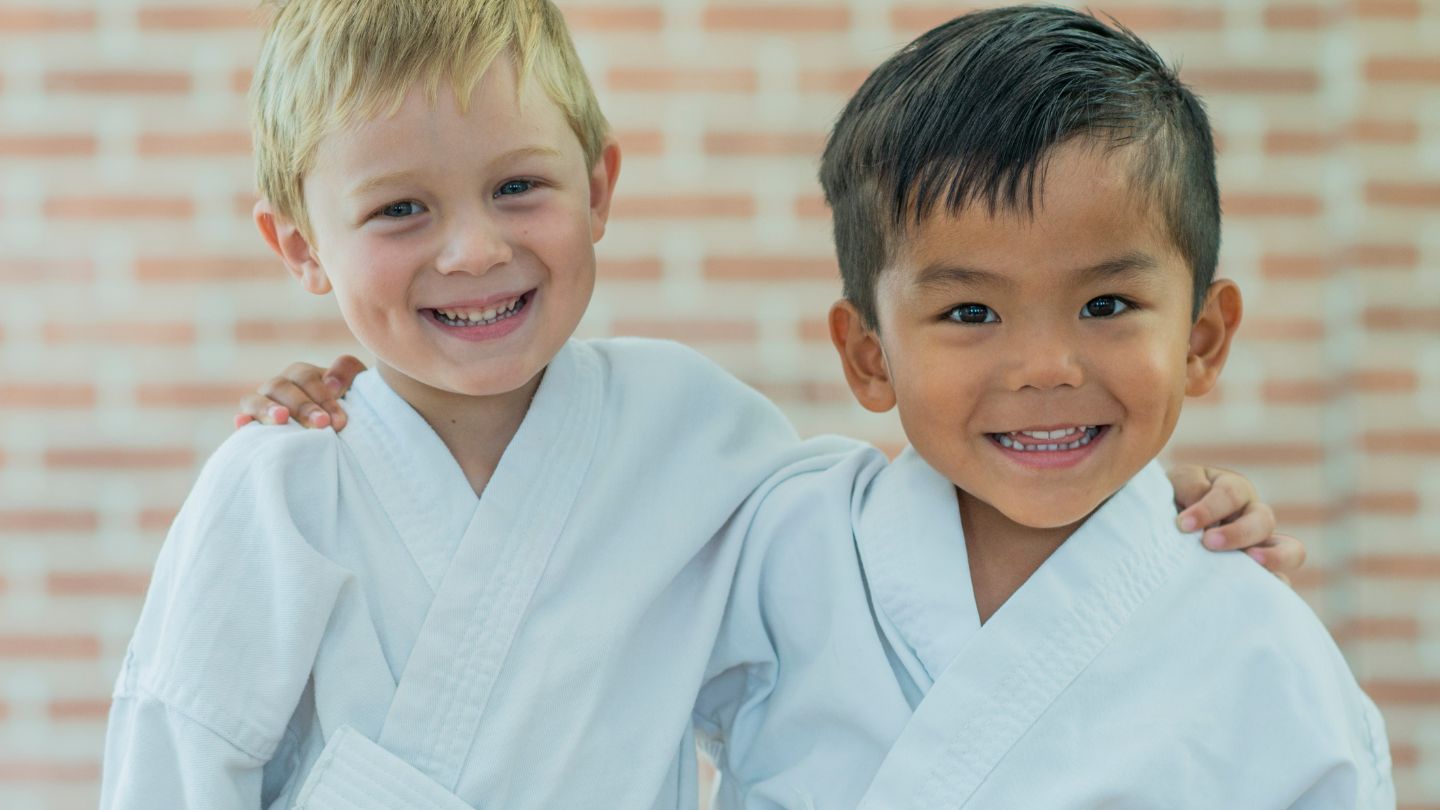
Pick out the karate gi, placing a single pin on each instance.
(1133, 669)
(337, 621)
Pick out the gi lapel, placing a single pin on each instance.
(485, 592)
(1030, 651)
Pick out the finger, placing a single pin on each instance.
(321, 390)
(296, 400)
(1228, 494)
(343, 372)
(263, 410)
(1252, 528)
(1189, 482)
(1281, 555)
(241, 420)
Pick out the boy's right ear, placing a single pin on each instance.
(862, 356)
(285, 238)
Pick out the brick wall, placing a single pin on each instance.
(136, 303)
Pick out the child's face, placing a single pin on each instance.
(1076, 322)
(459, 246)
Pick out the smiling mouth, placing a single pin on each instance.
(482, 317)
(1048, 441)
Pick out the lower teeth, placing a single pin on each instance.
(1010, 444)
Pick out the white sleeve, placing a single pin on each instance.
(355, 773)
(172, 761)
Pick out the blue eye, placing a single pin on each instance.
(973, 313)
(1106, 306)
(512, 187)
(402, 209)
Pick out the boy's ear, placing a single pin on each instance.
(862, 357)
(285, 238)
(1211, 335)
(602, 187)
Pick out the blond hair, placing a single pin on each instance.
(327, 64)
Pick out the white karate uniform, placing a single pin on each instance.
(1133, 669)
(337, 621)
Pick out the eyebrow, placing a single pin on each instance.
(941, 275)
(396, 177)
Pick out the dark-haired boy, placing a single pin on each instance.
(1027, 221)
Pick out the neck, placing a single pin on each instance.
(476, 430)
(1002, 553)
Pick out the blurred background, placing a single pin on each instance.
(137, 302)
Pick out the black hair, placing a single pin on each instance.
(971, 110)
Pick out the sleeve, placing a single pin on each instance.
(355, 773)
(155, 756)
(232, 623)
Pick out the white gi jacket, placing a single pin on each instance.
(1134, 669)
(337, 621)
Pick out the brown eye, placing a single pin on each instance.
(1106, 306)
(973, 313)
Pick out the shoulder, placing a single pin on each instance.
(664, 368)
(808, 507)
(273, 458)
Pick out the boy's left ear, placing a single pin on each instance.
(1210, 337)
(293, 248)
(602, 187)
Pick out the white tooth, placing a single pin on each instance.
(1052, 447)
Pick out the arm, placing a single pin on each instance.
(1227, 505)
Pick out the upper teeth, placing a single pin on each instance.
(1050, 434)
(487, 314)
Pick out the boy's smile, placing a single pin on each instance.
(459, 243)
(1040, 362)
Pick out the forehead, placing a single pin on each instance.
(1088, 210)
(501, 114)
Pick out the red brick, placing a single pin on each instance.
(778, 144)
(638, 142)
(27, 271)
(120, 333)
(630, 270)
(916, 18)
(1401, 504)
(40, 19)
(1384, 381)
(190, 395)
(810, 392)
(206, 144)
(1259, 204)
(92, 208)
(46, 396)
(26, 521)
(109, 583)
(1408, 692)
(326, 331)
(813, 330)
(1292, 142)
(209, 269)
(1307, 515)
(1402, 69)
(1401, 442)
(1397, 566)
(1253, 81)
(49, 771)
(120, 458)
(56, 145)
(682, 80)
(691, 206)
(687, 330)
(1373, 256)
(16, 645)
(1373, 628)
(646, 19)
(832, 81)
(1294, 267)
(1381, 9)
(769, 268)
(1252, 453)
(1156, 18)
(151, 520)
(240, 80)
(190, 18)
(1402, 319)
(1382, 132)
(1295, 16)
(82, 710)
(774, 17)
(812, 208)
(1285, 329)
(1297, 392)
(120, 82)
(1405, 195)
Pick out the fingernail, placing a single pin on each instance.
(241, 420)
(276, 412)
(319, 419)
(1213, 540)
(1188, 523)
(333, 384)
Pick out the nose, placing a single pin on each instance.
(1049, 359)
(474, 243)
